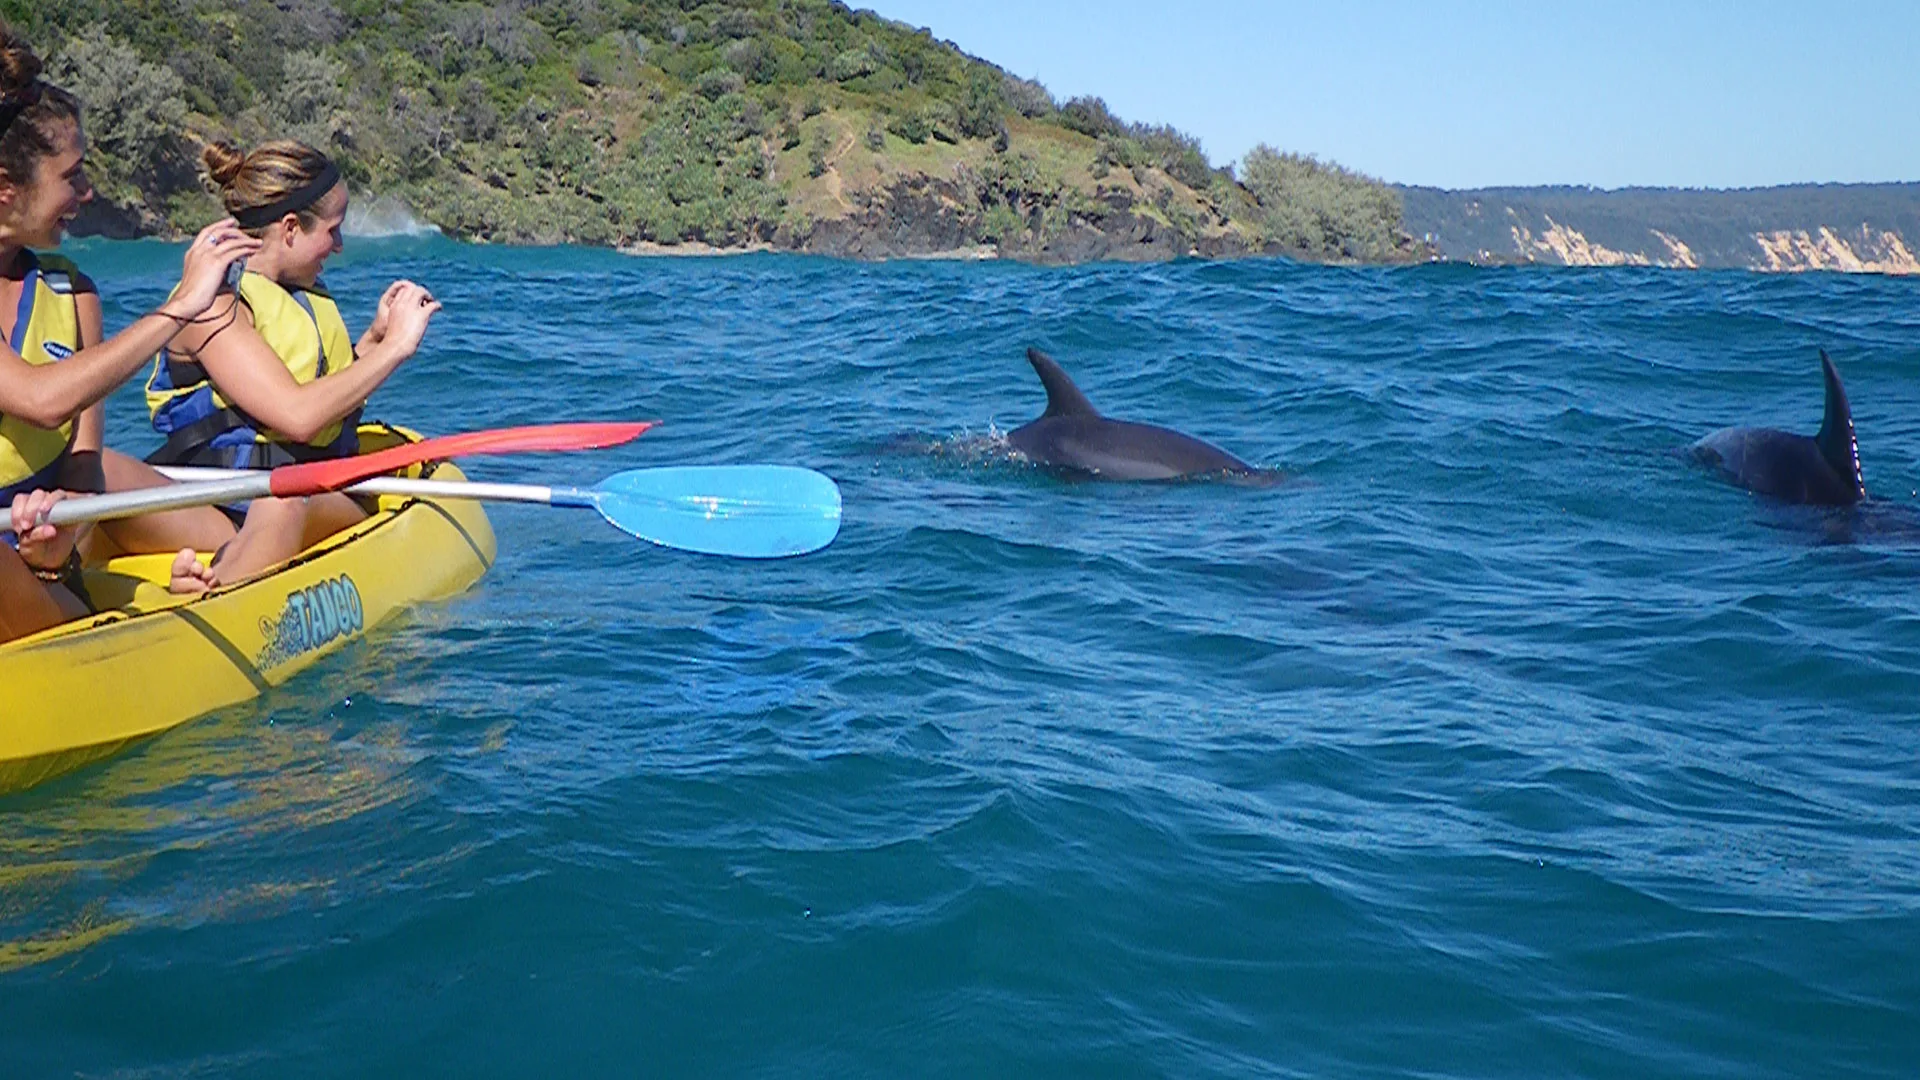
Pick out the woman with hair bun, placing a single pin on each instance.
(272, 376)
(55, 369)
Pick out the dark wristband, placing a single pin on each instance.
(62, 574)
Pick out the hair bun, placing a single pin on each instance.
(19, 65)
(223, 161)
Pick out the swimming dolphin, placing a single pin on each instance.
(1072, 434)
(1823, 470)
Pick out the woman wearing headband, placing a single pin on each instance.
(270, 375)
(54, 367)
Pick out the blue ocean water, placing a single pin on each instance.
(1496, 742)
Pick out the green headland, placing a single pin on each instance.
(796, 125)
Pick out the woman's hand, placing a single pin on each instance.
(204, 270)
(412, 307)
(383, 313)
(42, 546)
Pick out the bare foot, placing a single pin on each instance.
(188, 576)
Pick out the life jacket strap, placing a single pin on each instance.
(190, 444)
(183, 374)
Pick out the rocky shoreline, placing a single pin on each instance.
(923, 217)
(915, 217)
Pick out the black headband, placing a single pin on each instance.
(254, 217)
(12, 107)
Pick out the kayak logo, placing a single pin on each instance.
(311, 618)
(56, 350)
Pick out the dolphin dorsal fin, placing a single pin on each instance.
(1836, 439)
(1063, 398)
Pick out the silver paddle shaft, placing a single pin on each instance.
(391, 485)
(214, 487)
(124, 504)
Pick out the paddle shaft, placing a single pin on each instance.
(400, 485)
(219, 486)
(125, 504)
(314, 477)
(437, 489)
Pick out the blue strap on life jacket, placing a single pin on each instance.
(23, 314)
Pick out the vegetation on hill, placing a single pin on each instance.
(794, 123)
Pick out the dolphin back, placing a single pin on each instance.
(1073, 435)
(1123, 450)
(1823, 470)
(1777, 464)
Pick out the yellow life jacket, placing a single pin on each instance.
(46, 330)
(304, 329)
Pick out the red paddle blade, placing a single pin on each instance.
(314, 477)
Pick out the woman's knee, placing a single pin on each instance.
(26, 604)
(277, 514)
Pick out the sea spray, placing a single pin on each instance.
(383, 215)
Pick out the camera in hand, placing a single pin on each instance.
(235, 270)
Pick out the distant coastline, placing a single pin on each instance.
(1855, 228)
(1790, 228)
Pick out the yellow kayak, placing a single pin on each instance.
(151, 660)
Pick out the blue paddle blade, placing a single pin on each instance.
(748, 511)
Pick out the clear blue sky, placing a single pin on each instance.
(1692, 93)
